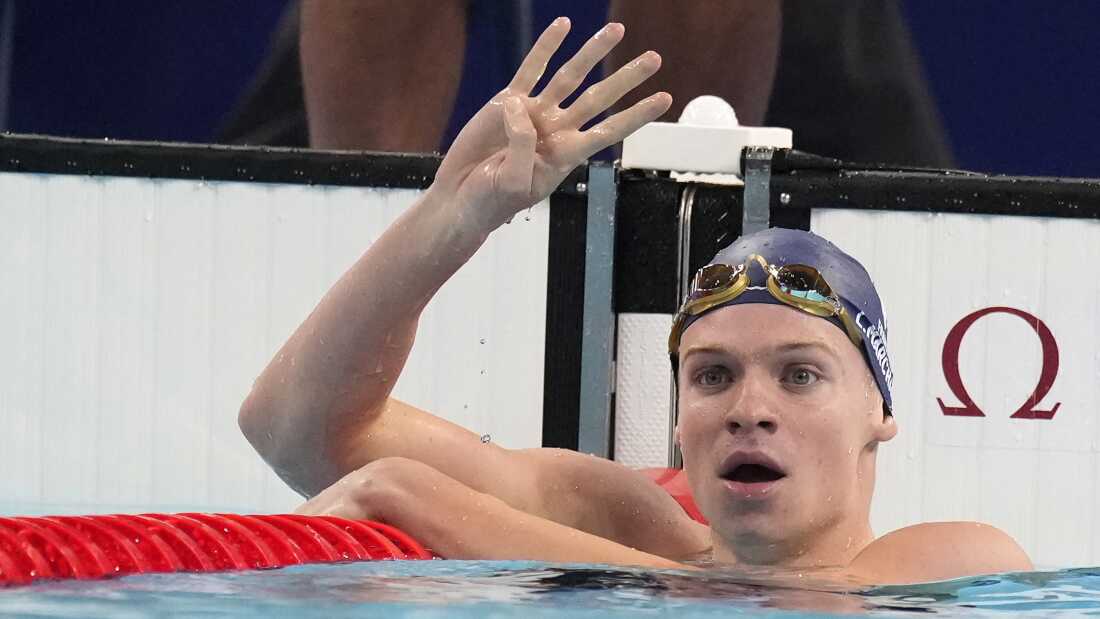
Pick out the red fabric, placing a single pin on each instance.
(674, 482)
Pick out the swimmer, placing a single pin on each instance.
(782, 372)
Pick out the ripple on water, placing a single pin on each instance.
(494, 588)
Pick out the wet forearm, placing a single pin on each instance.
(481, 526)
(339, 366)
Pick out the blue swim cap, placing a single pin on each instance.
(846, 276)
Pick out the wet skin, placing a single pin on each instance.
(773, 386)
(783, 393)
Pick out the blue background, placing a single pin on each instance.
(1017, 81)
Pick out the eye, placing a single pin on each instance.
(801, 377)
(712, 376)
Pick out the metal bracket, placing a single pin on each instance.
(756, 210)
(683, 276)
(597, 365)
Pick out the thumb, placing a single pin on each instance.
(516, 170)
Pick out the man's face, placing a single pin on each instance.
(779, 422)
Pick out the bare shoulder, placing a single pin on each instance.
(939, 551)
(605, 498)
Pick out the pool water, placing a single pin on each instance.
(426, 589)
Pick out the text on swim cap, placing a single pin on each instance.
(876, 336)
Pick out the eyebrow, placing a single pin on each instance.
(809, 345)
(783, 349)
(693, 350)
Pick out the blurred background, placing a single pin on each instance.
(1015, 81)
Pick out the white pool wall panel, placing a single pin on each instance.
(136, 313)
(1034, 478)
(643, 385)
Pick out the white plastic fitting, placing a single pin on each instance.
(706, 141)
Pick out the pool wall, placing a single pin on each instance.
(140, 300)
(137, 312)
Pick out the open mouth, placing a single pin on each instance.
(753, 474)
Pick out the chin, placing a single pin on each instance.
(751, 537)
(756, 523)
(757, 519)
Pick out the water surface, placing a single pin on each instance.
(428, 589)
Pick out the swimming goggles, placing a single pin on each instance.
(797, 285)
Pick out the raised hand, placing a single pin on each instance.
(520, 146)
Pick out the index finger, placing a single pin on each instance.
(534, 64)
(614, 129)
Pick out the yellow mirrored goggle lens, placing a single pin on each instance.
(798, 285)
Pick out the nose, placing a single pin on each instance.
(752, 409)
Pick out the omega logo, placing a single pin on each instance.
(1029, 409)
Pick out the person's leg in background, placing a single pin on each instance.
(7, 33)
(372, 71)
(727, 48)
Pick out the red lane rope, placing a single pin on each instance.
(345, 546)
(87, 547)
(375, 543)
(286, 551)
(158, 555)
(59, 557)
(253, 549)
(316, 547)
(186, 548)
(409, 546)
(121, 549)
(17, 565)
(87, 558)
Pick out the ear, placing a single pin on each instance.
(676, 436)
(885, 429)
